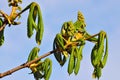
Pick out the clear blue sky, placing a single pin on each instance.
(99, 15)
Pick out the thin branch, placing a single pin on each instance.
(3, 26)
(25, 65)
(4, 23)
(5, 16)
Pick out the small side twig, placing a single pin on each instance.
(6, 16)
(3, 26)
(25, 65)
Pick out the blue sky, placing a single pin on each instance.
(99, 15)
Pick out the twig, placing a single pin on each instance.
(3, 26)
(6, 16)
(4, 23)
(25, 65)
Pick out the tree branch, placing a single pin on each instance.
(25, 65)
